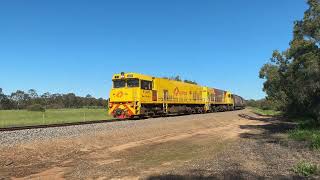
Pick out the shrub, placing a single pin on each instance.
(310, 135)
(266, 112)
(264, 104)
(307, 130)
(305, 169)
(36, 107)
(315, 141)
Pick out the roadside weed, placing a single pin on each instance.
(305, 169)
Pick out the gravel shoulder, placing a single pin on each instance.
(206, 146)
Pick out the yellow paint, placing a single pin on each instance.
(164, 91)
(228, 98)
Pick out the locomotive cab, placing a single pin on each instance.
(128, 90)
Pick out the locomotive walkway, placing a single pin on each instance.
(207, 146)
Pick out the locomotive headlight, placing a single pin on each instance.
(122, 75)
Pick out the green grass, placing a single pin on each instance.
(305, 169)
(307, 130)
(265, 112)
(10, 118)
(312, 136)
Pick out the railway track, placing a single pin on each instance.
(43, 126)
(18, 128)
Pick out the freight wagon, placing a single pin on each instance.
(140, 95)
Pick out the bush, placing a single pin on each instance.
(262, 112)
(263, 104)
(307, 131)
(268, 105)
(36, 107)
(305, 169)
(315, 142)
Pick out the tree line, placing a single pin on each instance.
(178, 78)
(292, 77)
(263, 104)
(32, 100)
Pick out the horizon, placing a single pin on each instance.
(76, 46)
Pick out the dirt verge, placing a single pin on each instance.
(219, 145)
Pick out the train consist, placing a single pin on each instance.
(137, 95)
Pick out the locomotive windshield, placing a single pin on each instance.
(119, 83)
(133, 82)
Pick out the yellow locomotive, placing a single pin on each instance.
(135, 95)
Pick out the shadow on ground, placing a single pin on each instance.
(263, 134)
(232, 175)
(268, 132)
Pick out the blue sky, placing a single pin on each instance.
(75, 46)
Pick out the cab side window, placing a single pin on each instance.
(146, 85)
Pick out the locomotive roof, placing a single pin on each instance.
(132, 75)
(147, 77)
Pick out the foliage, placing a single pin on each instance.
(305, 169)
(293, 76)
(36, 107)
(190, 82)
(263, 104)
(178, 78)
(307, 130)
(26, 100)
(310, 135)
(266, 112)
